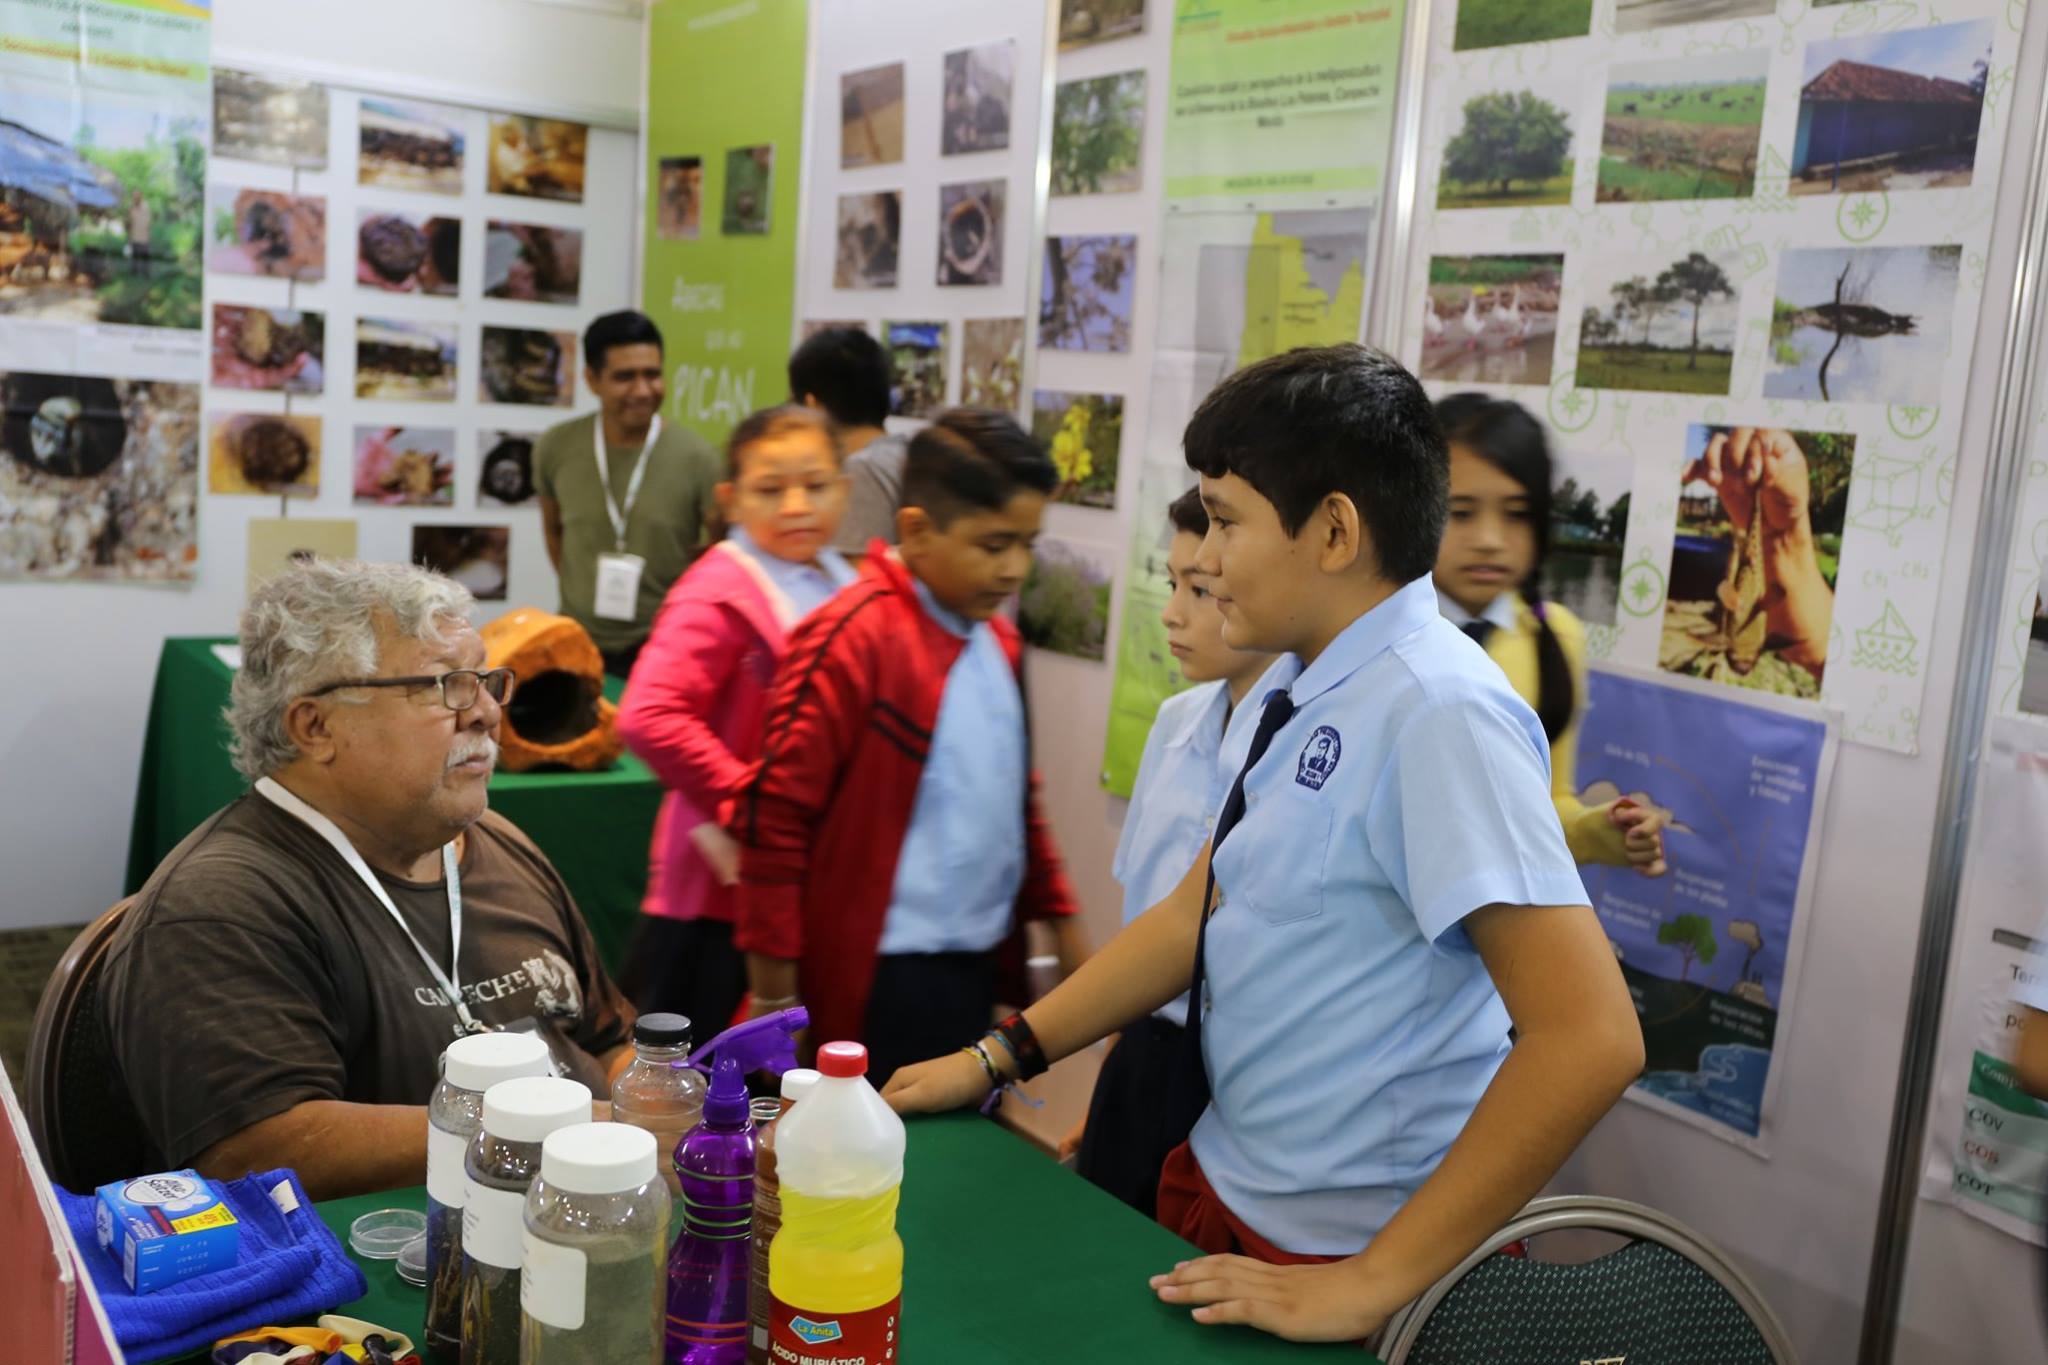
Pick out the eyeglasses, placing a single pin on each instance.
(459, 687)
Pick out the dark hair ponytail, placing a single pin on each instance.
(1502, 433)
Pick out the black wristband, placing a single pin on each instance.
(1016, 1035)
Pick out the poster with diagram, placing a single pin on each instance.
(1710, 950)
(1745, 253)
(1277, 140)
(104, 116)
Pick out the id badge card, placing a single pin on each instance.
(618, 586)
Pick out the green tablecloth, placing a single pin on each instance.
(1008, 1257)
(596, 827)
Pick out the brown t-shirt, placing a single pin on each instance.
(256, 972)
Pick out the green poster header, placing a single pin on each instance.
(725, 104)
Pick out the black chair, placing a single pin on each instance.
(77, 1105)
(1665, 1296)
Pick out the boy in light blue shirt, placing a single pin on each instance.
(1143, 1106)
(1388, 892)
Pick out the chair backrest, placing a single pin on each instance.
(1666, 1296)
(78, 1107)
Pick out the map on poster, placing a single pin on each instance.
(1709, 950)
(1266, 282)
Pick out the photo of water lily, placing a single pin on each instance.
(1083, 433)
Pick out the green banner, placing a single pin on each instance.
(724, 134)
(1278, 130)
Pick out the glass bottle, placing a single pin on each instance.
(500, 1165)
(659, 1092)
(594, 1281)
(471, 1065)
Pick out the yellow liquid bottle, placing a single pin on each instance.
(835, 1268)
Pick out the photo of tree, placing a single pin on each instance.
(1513, 147)
(1085, 301)
(1660, 323)
(1686, 128)
(917, 367)
(1098, 134)
(1496, 23)
(1862, 324)
(1588, 528)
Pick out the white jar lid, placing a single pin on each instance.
(480, 1060)
(598, 1158)
(528, 1108)
(797, 1082)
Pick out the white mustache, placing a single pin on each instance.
(472, 746)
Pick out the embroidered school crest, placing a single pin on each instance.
(1319, 758)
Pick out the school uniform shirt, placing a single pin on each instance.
(1351, 1024)
(1591, 835)
(822, 817)
(1196, 745)
(963, 857)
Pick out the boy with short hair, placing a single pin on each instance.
(1387, 892)
(1143, 1105)
(890, 835)
(845, 372)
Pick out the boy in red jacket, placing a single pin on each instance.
(890, 836)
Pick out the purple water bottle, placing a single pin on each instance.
(711, 1268)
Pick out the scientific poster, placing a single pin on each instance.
(721, 281)
(1987, 1140)
(1711, 950)
(1277, 139)
(1753, 218)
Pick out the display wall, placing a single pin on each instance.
(75, 679)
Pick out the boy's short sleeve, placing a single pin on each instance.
(1463, 819)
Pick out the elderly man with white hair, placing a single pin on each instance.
(282, 990)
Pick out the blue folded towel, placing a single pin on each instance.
(291, 1267)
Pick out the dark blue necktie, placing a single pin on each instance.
(1480, 629)
(1279, 710)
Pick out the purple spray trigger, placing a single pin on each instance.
(764, 1044)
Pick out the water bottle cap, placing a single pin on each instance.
(797, 1082)
(480, 1060)
(662, 1030)
(598, 1158)
(841, 1060)
(531, 1107)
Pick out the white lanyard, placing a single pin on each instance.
(604, 476)
(450, 980)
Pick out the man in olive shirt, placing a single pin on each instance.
(283, 987)
(618, 543)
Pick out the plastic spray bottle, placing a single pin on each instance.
(711, 1267)
(835, 1269)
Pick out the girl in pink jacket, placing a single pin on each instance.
(693, 705)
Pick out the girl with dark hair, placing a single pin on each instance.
(693, 706)
(1489, 574)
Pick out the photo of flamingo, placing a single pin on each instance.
(1491, 319)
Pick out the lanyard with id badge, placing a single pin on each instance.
(450, 980)
(618, 573)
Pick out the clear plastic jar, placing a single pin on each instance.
(470, 1066)
(500, 1166)
(658, 1092)
(594, 1285)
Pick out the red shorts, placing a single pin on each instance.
(1190, 1207)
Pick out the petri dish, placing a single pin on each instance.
(412, 1261)
(383, 1234)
